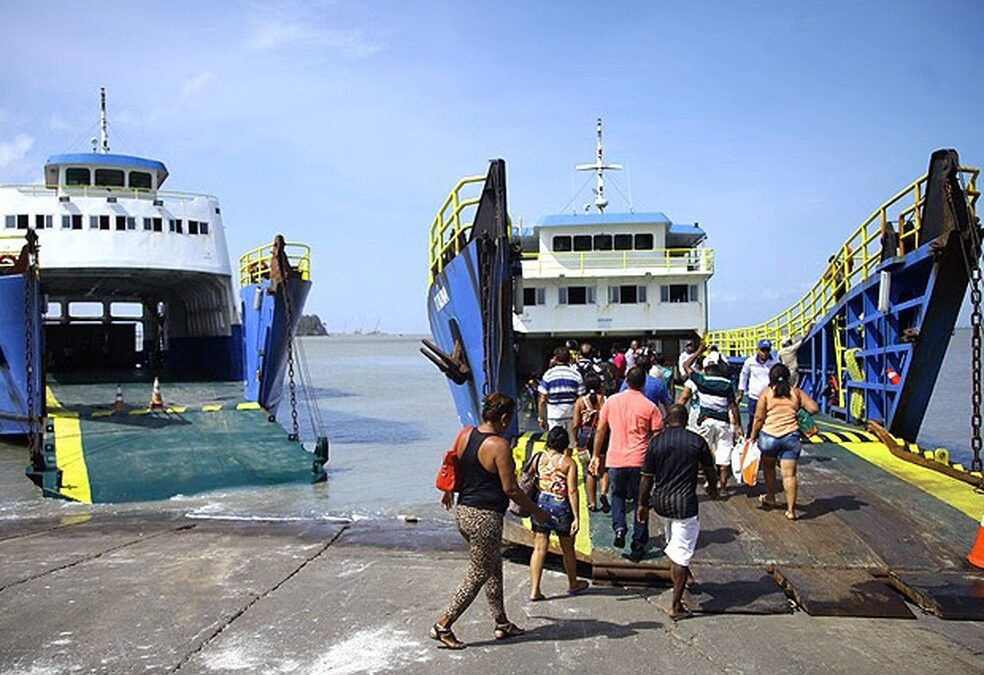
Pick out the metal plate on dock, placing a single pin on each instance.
(948, 595)
(842, 592)
(736, 590)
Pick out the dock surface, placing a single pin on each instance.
(165, 594)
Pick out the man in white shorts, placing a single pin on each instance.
(718, 420)
(669, 475)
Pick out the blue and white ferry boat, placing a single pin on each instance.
(107, 278)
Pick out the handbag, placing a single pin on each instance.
(447, 475)
(529, 482)
(805, 423)
(750, 456)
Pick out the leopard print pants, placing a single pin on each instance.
(482, 529)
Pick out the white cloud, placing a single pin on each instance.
(286, 28)
(57, 123)
(15, 150)
(195, 84)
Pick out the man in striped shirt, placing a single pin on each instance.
(559, 389)
(718, 419)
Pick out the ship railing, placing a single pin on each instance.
(254, 265)
(105, 191)
(853, 263)
(451, 229)
(666, 260)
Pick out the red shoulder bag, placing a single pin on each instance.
(447, 475)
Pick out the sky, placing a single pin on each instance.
(778, 126)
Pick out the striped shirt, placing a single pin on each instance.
(561, 384)
(672, 459)
(715, 394)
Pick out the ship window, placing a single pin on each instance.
(10, 222)
(121, 223)
(140, 179)
(131, 223)
(126, 310)
(147, 224)
(192, 227)
(41, 221)
(626, 295)
(582, 242)
(534, 296)
(203, 227)
(174, 225)
(85, 310)
(93, 222)
(76, 176)
(158, 224)
(22, 221)
(576, 295)
(644, 242)
(603, 242)
(103, 222)
(76, 221)
(109, 177)
(66, 222)
(678, 293)
(54, 310)
(623, 242)
(562, 243)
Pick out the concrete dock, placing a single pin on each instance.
(162, 593)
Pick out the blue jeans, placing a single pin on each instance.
(625, 494)
(782, 447)
(752, 402)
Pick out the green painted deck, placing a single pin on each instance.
(207, 438)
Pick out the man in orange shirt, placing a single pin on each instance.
(629, 419)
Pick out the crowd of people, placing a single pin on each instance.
(643, 451)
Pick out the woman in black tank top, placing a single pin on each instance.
(484, 494)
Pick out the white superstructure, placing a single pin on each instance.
(602, 274)
(109, 234)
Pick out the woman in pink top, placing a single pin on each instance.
(777, 432)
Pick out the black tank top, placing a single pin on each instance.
(478, 487)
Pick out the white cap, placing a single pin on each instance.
(712, 358)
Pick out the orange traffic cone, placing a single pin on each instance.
(976, 555)
(156, 401)
(119, 406)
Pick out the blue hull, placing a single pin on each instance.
(13, 355)
(470, 304)
(265, 338)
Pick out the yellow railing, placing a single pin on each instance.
(254, 266)
(669, 259)
(450, 230)
(852, 264)
(105, 190)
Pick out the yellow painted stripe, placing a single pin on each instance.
(177, 410)
(212, 407)
(69, 456)
(102, 413)
(248, 405)
(144, 411)
(956, 493)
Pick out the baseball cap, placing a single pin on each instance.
(765, 345)
(712, 358)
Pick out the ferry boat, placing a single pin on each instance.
(596, 276)
(876, 327)
(109, 279)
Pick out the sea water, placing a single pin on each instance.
(389, 417)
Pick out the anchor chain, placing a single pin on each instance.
(30, 280)
(291, 384)
(972, 261)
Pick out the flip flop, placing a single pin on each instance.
(767, 503)
(790, 515)
(538, 597)
(579, 588)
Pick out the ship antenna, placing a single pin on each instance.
(103, 126)
(599, 167)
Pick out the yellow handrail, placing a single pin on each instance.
(254, 265)
(852, 264)
(448, 234)
(693, 259)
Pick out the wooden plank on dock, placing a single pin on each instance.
(842, 592)
(948, 595)
(736, 590)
